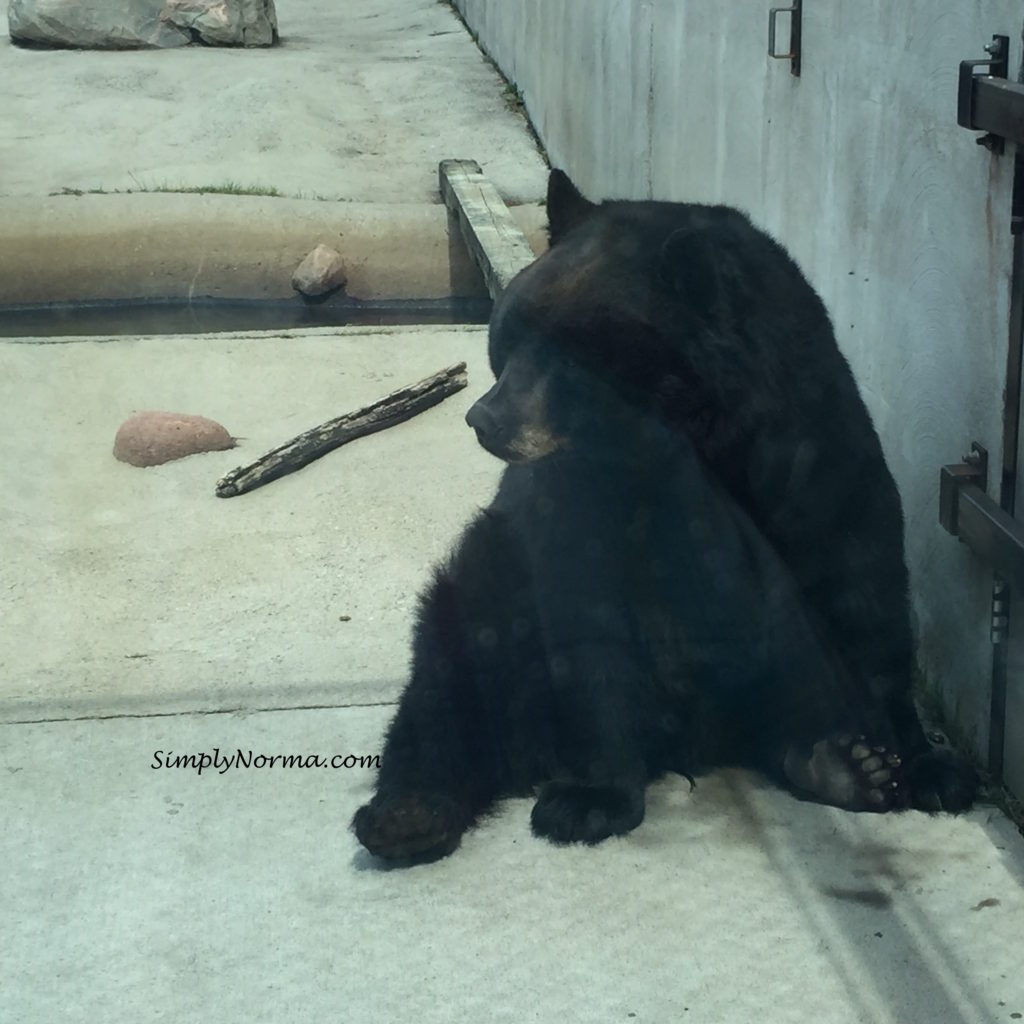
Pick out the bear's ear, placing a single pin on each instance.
(702, 269)
(566, 207)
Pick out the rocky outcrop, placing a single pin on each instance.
(227, 22)
(133, 24)
(92, 24)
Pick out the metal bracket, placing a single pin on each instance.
(795, 12)
(990, 103)
(972, 470)
(967, 512)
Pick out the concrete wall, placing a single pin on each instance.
(858, 167)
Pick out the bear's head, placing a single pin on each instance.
(545, 403)
(682, 309)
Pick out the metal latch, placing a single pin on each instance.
(990, 103)
(795, 11)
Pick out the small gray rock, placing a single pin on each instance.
(151, 438)
(322, 271)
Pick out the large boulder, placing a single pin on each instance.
(93, 24)
(225, 22)
(133, 24)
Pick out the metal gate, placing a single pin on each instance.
(993, 104)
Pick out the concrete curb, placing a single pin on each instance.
(166, 245)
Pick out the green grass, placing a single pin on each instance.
(513, 98)
(230, 188)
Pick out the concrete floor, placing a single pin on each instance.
(358, 103)
(143, 615)
(159, 597)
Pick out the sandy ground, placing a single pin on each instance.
(142, 615)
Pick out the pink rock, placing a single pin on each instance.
(150, 438)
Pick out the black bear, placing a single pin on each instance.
(694, 557)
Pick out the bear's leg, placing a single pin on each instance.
(861, 591)
(814, 728)
(824, 738)
(599, 790)
(471, 724)
(889, 763)
(431, 784)
(802, 729)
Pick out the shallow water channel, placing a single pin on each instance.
(178, 316)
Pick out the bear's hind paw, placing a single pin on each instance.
(845, 771)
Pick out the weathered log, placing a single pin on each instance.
(395, 408)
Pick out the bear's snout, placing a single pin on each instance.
(484, 422)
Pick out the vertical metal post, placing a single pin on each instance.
(1001, 595)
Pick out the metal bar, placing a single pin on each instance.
(1002, 593)
(796, 37)
(951, 480)
(990, 532)
(1000, 683)
(986, 102)
(997, 107)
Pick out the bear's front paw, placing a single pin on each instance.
(578, 812)
(414, 828)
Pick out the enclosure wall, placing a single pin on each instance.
(901, 222)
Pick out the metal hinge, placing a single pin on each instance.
(967, 512)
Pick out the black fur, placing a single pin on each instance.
(695, 310)
(694, 557)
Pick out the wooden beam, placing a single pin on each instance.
(492, 237)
